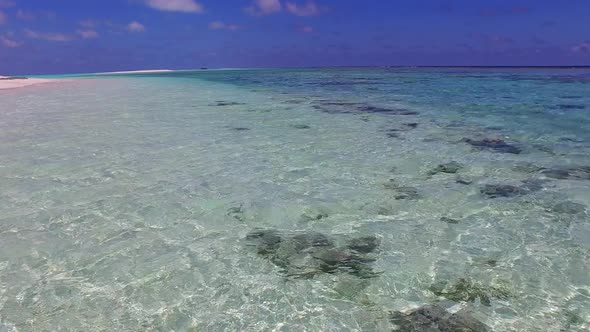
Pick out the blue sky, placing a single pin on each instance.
(70, 36)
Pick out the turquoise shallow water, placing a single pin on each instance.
(126, 202)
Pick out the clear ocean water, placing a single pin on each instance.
(132, 203)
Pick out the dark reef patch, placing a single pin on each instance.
(506, 190)
(338, 103)
(402, 192)
(392, 134)
(449, 168)
(495, 144)
(568, 207)
(331, 107)
(364, 245)
(305, 255)
(300, 126)
(463, 181)
(294, 101)
(568, 173)
(409, 193)
(433, 318)
(571, 107)
(526, 167)
(383, 110)
(501, 190)
(465, 290)
(532, 185)
(236, 212)
(450, 220)
(227, 103)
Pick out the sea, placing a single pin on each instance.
(316, 199)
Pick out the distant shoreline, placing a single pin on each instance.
(146, 71)
(7, 82)
(155, 71)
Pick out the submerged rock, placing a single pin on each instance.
(355, 108)
(383, 110)
(526, 167)
(308, 254)
(365, 244)
(268, 241)
(352, 289)
(403, 128)
(392, 133)
(449, 168)
(228, 103)
(333, 109)
(568, 208)
(545, 149)
(391, 185)
(309, 240)
(463, 181)
(465, 290)
(294, 101)
(395, 132)
(501, 190)
(338, 103)
(313, 216)
(450, 220)
(533, 184)
(237, 212)
(571, 107)
(494, 144)
(568, 173)
(559, 174)
(505, 190)
(433, 318)
(406, 193)
(300, 126)
(402, 192)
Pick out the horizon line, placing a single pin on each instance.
(155, 71)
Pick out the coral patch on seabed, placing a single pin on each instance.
(494, 144)
(308, 254)
(433, 318)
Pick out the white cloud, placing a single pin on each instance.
(307, 29)
(583, 47)
(310, 9)
(89, 23)
(7, 3)
(25, 15)
(186, 6)
(87, 34)
(219, 25)
(264, 7)
(49, 36)
(7, 42)
(135, 27)
(31, 34)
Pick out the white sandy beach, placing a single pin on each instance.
(136, 71)
(6, 83)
